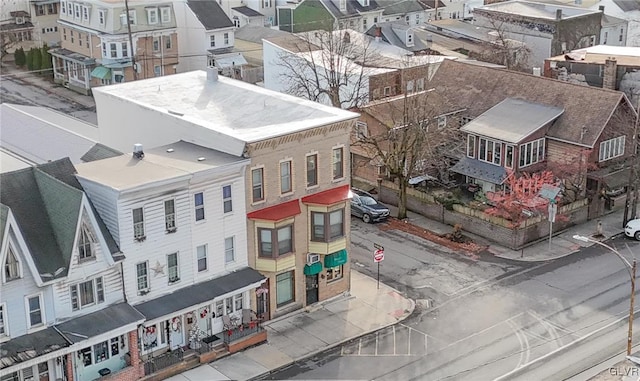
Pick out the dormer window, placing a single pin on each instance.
(85, 243)
(365, 3)
(343, 5)
(11, 266)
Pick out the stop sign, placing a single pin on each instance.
(378, 255)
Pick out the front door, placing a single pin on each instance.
(312, 289)
(176, 335)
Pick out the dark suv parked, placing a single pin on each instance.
(364, 206)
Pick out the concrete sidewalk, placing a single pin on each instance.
(302, 334)
(562, 243)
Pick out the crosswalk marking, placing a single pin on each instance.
(389, 342)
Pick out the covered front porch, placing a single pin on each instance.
(203, 321)
(72, 70)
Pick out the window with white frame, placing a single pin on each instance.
(132, 17)
(508, 156)
(138, 223)
(611, 148)
(335, 273)
(156, 44)
(170, 215)
(362, 131)
(471, 146)
(77, 9)
(338, 163)
(531, 153)
(238, 301)
(285, 288)
(11, 266)
(85, 13)
(226, 38)
(4, 331)
(34, 309)
(275, 242)
(198, 201)
(104, 49)
(157, 70)
(229, 250)
(142, 276)
(86, 293)
(312, 170)
(212, 41)
(113, 50)
(387, 91)
(266, 3)
(202, 257)
(410, 86)
(125, 49)
(101, 352)
(285, 177)
(257, 184)
(227, 204)
(102, 17)
(85, 244)
(420, 84)
(152, 15)
(489, 151)
(63, 7)
(165, 14)
(167, 42)
(87, 39)
(172, 267)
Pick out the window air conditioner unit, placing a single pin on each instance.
(313, 258)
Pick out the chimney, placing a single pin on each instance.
(137, 151)
(212, 74)
(610, 73)
(601, 8)
(536, 71)
(378, 33)
(558, 14)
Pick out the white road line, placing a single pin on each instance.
(359, 346)
(516, 331)
(547, 326)
(376, 353)
(483, 331)
(394, 339)
(409, 341)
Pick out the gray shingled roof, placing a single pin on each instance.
(64, 171)
(210, 14)
(390, 36)
(480, 170)
(26, 347)
(247, 11)
(353, 8)
(198, 293)
(98, 152)
(99, 322)
(46, 211)
(478, 88)
(403, 7)
(257, 33)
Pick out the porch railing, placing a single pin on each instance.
(163, 361)
(237, 333)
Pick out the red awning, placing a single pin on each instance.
(328, 197)
(277, 212)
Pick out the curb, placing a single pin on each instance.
(337, 344)
(616, 235)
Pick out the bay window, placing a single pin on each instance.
(327, 227)
(275, 242)
(531, 153)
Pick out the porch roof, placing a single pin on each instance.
(480, 170)
(73, 56)
(512, 120)
(193, 296)
(30, 346)
(101, 72)
(103, 321)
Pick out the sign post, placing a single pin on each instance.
(553, 210)
(378, 256)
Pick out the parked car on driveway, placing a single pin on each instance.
(632, 229)
(364, 206)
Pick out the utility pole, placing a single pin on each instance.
(133, 51)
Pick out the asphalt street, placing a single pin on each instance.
(17, 91)
(483, 320)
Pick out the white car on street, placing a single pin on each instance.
(633, 229)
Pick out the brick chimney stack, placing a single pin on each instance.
(610, 73)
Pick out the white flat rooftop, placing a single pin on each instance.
(169, 162)
(227, 106)
(534, 9)
(624, 55)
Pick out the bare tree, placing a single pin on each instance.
(326, 66)
(8, 41)
(502, 50)
(409, 137)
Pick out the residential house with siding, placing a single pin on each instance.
(95, 45)
(296, 183)
(179, 212)
(44, 14)
(206, 38)
(580, 129)
(62, 307)
(308, 15)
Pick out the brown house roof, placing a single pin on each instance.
(429, 104)
(478, 88)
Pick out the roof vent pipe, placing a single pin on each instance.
(137, 151)
(212, 74)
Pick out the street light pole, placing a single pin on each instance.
(631, 269)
